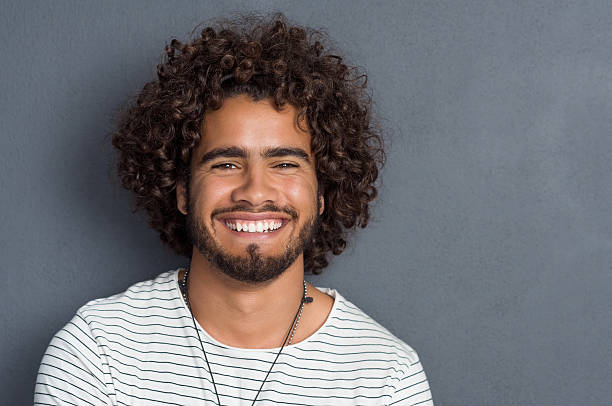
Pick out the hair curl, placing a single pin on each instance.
(263, 58)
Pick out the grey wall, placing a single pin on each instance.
(491, 248)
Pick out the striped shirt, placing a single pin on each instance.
(140, 348)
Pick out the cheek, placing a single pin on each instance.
(208, 193)
(300, 192)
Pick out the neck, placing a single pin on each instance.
(241, 314)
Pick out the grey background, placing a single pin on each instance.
(491, 248)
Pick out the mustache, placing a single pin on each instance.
(270, 207)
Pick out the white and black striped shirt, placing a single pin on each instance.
(140, 348)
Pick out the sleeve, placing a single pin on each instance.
(412, 388)
(71, 371)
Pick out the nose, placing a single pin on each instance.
(256, 188)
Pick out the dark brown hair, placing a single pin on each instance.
(263, 58)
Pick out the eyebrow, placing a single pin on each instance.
(278, 152)
(238, 152)
(228, 152)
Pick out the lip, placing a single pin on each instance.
(254, 217)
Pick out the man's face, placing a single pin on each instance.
(253, 202)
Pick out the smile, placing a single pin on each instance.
(260, 226)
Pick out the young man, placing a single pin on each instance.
(253, 154)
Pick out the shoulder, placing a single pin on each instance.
(146, 312)
(409, 381)
(349, 324)
(142, 298)
(76, 367)
(145, 308)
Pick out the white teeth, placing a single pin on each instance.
(254, 226)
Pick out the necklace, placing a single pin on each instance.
(294, 324)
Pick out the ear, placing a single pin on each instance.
(181, 196)
(321, 204)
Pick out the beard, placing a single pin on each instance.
(253, 267)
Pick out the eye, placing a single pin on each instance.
(286, 165)
(225, 166)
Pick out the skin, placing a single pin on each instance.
(241, 314)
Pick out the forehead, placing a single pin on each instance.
(252, 125)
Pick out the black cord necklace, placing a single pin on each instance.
(289, 336)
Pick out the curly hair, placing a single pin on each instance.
(265, 58)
